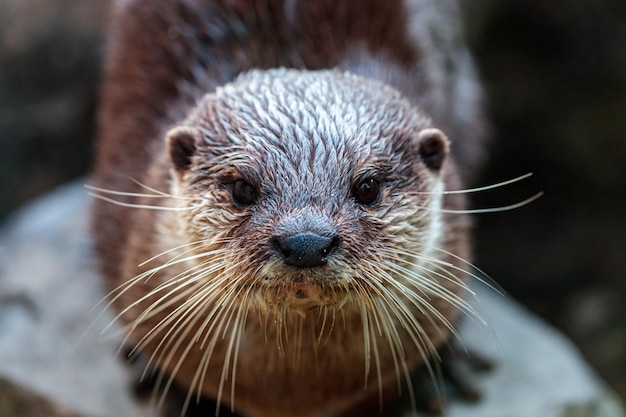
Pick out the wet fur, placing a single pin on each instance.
(191, 274)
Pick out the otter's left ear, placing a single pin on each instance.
(433, 148)
(181, 145)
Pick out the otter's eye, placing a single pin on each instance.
(366, 191)
(243, 193)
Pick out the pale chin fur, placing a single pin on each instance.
(436, 224)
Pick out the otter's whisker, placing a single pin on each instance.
(182, 278)
(171, 281)
(361, 302)
(225, 302)
(171, 298)
(415, 332)
(483, 278)
(398, 307)
(216, 315)
(388, 329)
(198, 380)
(232, 353)
(158, 192)
(141, 206)
(157, 195)
(391, 335)
(371, 336)
(199, 377)
(190, 245)
(178, 337)
(397, 350)
(225, 295)
(408, 320)
(118, 292)
(125, 286)
(479, 189)
(222, 313)
(190, 308)
(443, 269)
(430, 286)
(492, 209)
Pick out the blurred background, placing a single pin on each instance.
(555, 76)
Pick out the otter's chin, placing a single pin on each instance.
(301, 297)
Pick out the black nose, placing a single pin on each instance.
(305, 250)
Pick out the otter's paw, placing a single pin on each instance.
(452, 376)
(171, 399)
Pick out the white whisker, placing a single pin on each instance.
(191, 246)
(141, 206)
(479, 189)
(481, 275)
(492, 209)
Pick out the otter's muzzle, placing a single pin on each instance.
(305, 250)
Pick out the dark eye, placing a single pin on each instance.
(244, 193)
(366, 191)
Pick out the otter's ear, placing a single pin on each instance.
(181, 144)
(433, 148)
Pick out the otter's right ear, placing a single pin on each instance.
(181, 144)
(433, 148)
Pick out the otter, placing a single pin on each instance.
(275, 223)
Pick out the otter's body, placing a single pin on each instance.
(281, 242)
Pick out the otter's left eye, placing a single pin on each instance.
(244, 193)
(367, 191)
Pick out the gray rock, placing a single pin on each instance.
(16, 401)
(50, 330)
(51, 338)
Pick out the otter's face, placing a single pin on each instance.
(310, 188)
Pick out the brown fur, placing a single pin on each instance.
(303, 350)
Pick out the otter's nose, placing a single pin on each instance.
(305, 250)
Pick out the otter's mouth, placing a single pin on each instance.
(301, 296)
(301, 292)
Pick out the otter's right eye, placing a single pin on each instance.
(367, 191)
(244, 193)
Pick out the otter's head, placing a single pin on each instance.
(310, 188)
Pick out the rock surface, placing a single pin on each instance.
(16, 401)
(50, 333)
(51, 343)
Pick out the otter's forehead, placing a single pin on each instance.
(342, 106)
(311, 127)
